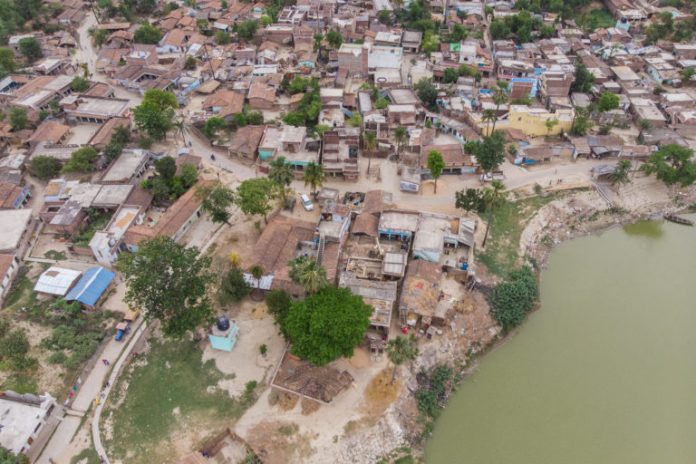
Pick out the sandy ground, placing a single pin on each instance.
(345, 431)
(245, 362)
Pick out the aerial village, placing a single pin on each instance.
(279, 231)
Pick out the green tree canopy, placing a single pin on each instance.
(672, 164)
(512, 299)
(306, 272)
(490, 151)
(621, 174)
(435, 165)
(217, 200)
(607, 101)
(166, 168)
(212, 126)
(147, 34)
(233, 287)
(45, 167)
(401, 350)
(170, 283)
(247, 29)
(7, 62)
(30, 48)
(254, 196)
(314, 176)
(79, 84)
(327, 325)
(18, 118)
(427, 92)
(583, 78)
(81, 160)
(278, 303)
(155, 115)
(333, 37)
(470, 199)
(280, 174)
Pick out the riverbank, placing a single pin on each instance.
(573, 215)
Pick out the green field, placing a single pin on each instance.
(174, 379)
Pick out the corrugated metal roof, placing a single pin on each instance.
(91, 286)
(56, 280)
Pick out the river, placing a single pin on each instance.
(603, 372)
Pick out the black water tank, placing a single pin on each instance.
(223, 323)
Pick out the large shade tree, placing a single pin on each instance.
(672, 164)
(327, 325)
(155, 115)
(216, 201)
(169, 282)
(253, 196)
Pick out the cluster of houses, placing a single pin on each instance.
(394, 258)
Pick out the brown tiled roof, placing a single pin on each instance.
(99, 89)
(49, 131)
(366, 223)
(452, 154)
(246, 140)
(106, 131)
(231, 102)
(172, 220)
(259, 89)
(278, 245)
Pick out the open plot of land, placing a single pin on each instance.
(170, 398)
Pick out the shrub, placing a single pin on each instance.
(278, 302)
(233, 287)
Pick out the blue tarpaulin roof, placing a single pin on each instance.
(91, 286)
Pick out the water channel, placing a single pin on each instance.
(604, 372)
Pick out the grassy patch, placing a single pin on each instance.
(22, 291)
(97, 220)
(174, 379)
(596, 19)
(502, 247)
(55, 255)
(89, 454)
(21, 382)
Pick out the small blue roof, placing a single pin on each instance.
(91, 286)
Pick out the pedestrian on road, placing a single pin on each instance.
(105, 361)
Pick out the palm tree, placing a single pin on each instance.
(488, 116)
(306, 272)
(400, 350)
(400, 135)
(180, 127)
(314, 176)
(499, 98)
(493, 197)
(370, 144)
(621, 172)
(281, 175)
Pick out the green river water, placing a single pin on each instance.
(603, 372)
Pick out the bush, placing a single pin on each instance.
(511, 300)
(57, 358)
(45, 167)
(278, 302)
(14, 345)
(233, 287)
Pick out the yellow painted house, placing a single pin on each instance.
(532, 121)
